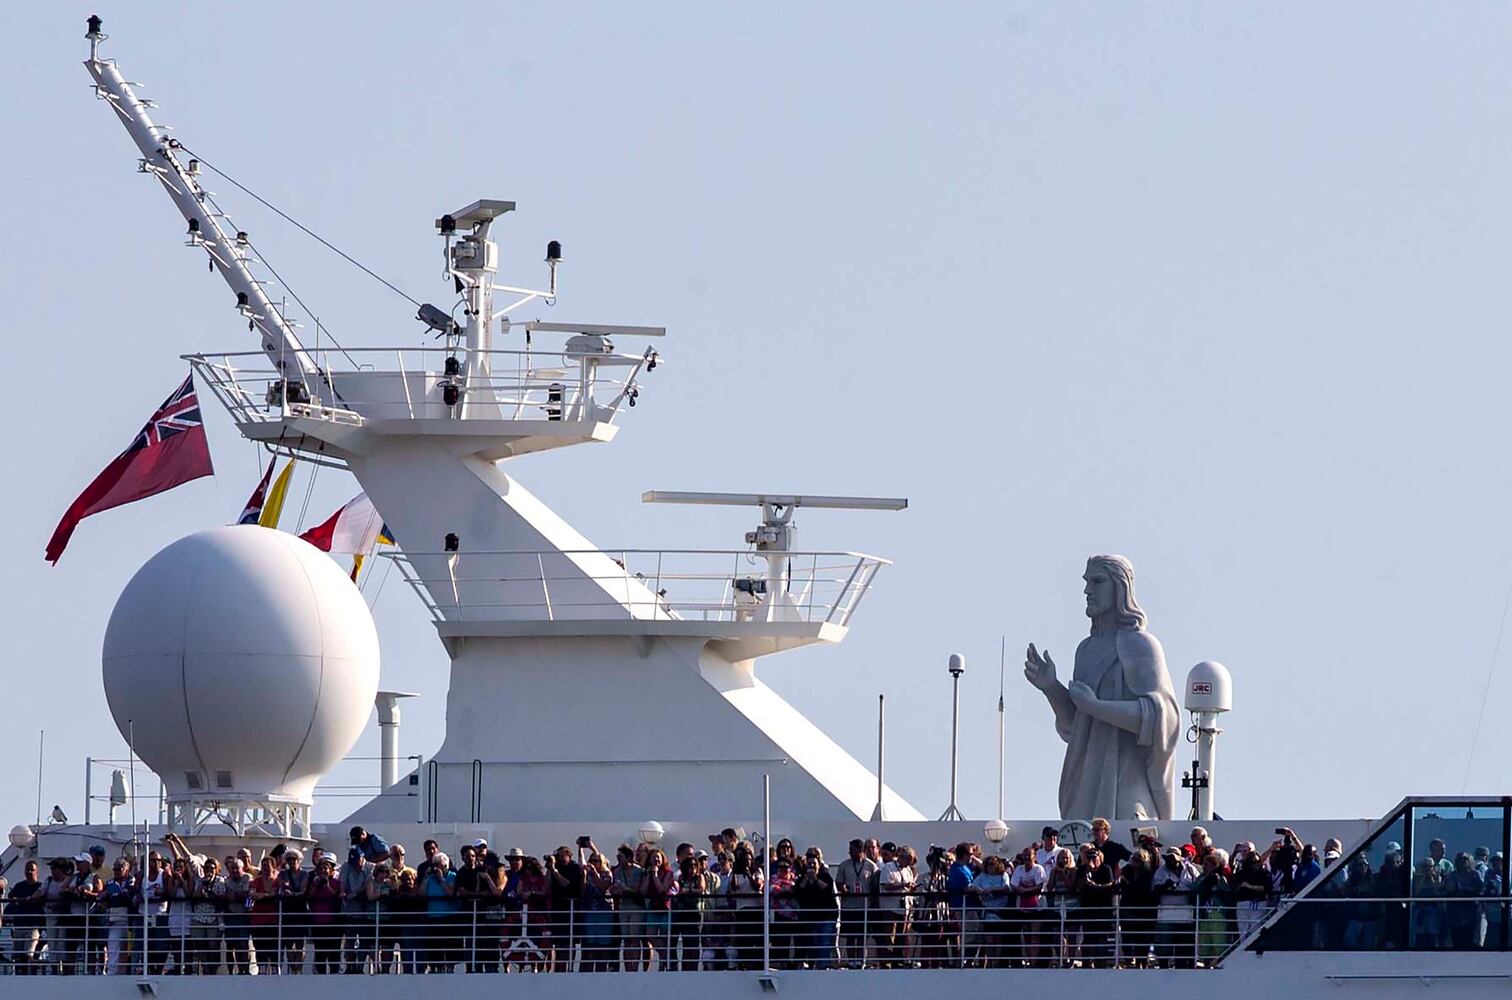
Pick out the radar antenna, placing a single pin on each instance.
(774, 538)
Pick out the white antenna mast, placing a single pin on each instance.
(227, 250)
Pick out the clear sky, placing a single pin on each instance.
(1216, 286)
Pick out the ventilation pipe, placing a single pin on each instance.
(388, 736)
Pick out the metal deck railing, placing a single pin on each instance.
(704, 585)
(352, 386)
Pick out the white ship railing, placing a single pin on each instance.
(391, 383)
(703, 585)
(490, 931)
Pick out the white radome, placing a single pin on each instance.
(243, 662)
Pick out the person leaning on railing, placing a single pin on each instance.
(994, 907)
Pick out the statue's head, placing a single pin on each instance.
(1110, 594)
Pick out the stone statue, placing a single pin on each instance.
(1118, 715)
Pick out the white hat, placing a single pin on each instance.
(83, 857)
(480, 842)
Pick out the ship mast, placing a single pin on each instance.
(228, 249)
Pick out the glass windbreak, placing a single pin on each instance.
(1432, 878)
(1459, 885)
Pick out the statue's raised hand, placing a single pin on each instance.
(1039, 668)
(1082, 695)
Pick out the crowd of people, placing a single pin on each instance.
(1100, 903)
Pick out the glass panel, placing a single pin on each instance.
(1453, 879)
(1331, 920)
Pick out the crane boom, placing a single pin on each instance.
(227, 252)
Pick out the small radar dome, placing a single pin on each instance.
(1209, 688)
(243, 664)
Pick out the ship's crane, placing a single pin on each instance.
(227, 248)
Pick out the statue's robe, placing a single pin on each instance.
(1110, 771)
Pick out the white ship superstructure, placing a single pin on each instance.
(533, 616)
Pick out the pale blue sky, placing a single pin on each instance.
(1215, 286)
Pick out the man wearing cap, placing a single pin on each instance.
(1307, 869)
(356, 908)
(85, 939)
(116, 899)
(1173, 884)
(1044, 854)
(372, 846)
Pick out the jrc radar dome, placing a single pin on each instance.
(244, 662)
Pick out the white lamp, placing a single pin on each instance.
(995, 830)
(22, 837)
(652, 832)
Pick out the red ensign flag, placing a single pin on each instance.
(170, 451)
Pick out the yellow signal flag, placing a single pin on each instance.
(356, 566)
(273, 505)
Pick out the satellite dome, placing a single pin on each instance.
(243, 662)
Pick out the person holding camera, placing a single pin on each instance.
(323, 899)
(818, 911)
(439, 890)
(565, 876)
(1174, 917)
(598, 913)
(474, 890)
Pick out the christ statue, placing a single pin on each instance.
(1118, 715)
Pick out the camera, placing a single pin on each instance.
(584, 841)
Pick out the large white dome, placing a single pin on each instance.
(244, 661)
